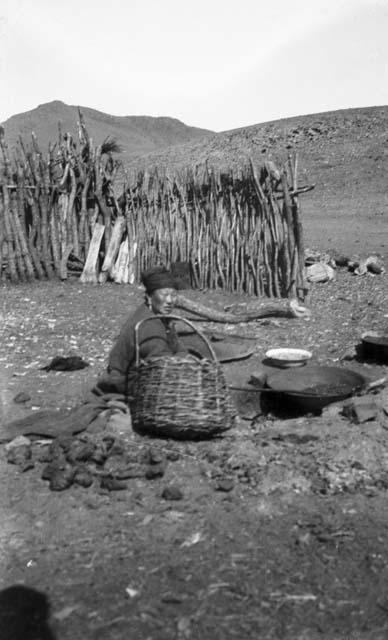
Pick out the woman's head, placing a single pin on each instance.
(160, 290)
(162, 300)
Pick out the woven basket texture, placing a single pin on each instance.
(181, 397)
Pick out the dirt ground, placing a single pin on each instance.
(282, 527)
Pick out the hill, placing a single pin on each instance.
(136, 134)
(343, 153)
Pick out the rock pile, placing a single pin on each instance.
(88, 459)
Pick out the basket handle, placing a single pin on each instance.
(170, 317)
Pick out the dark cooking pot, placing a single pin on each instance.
(375, 346)
(313, 388)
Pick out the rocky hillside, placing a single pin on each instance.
(136, 134)
(343, 153)
(317, 131)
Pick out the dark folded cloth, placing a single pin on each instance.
(51, 423)
(61, 363)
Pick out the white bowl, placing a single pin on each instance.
(288, 357)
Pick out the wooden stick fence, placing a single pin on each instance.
(74, 211)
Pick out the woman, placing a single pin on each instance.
(156, 336)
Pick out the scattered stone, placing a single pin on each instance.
(333, 410)
(360, 410)
(114, 446)
(303, 539)
(114, 464)
(83, 477)
(320, 272)
(80, 451)
(358, 465)
(58, 460)
(42, 454)
(91, 502)
(212, 456)
(225, 484)
(172, 492)
(112, 484)
(55, 451)
(48, 470)
(17, 442)
(22, 397)
(375, 268)
(155, 471)
(124, 467)
(216, 472)
(64, 613)
(371, 491)
(297, 438)
(60, 446)
(62, 479)
(154, 456)
(172, 598)
(173, 456)
(133, 470)
(100, 454)
(184, 629)
(372, 265)
(353, 265)
(341, 261)
(350, 354)
(26, 466)
(19, 455)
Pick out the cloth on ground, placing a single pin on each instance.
(52, 423)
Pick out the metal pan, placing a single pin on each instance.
(312, 399)
(313, 388)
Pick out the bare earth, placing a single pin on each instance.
(295, 548)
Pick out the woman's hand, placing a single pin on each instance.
(298, 311)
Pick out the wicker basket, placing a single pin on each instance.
(180, 397)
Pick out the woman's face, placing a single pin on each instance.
(163, 301)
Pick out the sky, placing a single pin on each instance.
(215, 64)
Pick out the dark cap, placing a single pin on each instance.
(158, 278)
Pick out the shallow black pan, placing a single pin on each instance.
(313, 388)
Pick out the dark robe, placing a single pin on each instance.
(156, 337)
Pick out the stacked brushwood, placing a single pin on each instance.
(52, 203)
(241, 233)
(75, 211)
